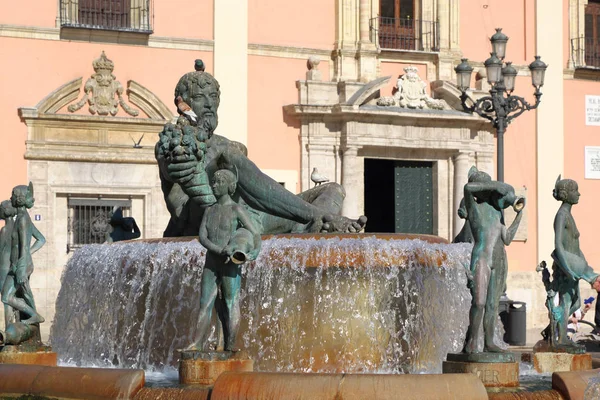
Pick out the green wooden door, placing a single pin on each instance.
(413, 197)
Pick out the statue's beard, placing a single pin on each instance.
(208, 123)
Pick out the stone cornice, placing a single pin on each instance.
(286, 51)
(376, 114)
(165, 42)
(408, 56)
(32, 118)
(29, 32)
(415, 117)
(91, 153)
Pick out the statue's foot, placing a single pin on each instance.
(469, 348)
(567, 346)
(492, 348)
(232, 349)
(338, 223)
(35, 319)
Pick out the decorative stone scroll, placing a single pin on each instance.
(101, 89)
(410, 93)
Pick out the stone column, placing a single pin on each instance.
(448, 16)
(352, 181)
(367, 50)
(365, 13)
(461, 170)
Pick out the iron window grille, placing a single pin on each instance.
(118, 15)
(405, 34)
(89, 220)
(585, 50)
(585, 53)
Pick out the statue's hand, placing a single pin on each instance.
(181, 168)
(21, 275)
(253, 255)
(227, 251)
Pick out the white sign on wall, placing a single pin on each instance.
(592, 110)
(592, 162)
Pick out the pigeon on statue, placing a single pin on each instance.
(318, 178)
(185, 109)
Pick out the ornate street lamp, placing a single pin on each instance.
(500, 107)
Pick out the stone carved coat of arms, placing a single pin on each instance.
(411, 93)
(103, 92)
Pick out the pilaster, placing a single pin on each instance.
(355, 56)
(352, 181)
(231, 67)
(461, 170)
(549, 120)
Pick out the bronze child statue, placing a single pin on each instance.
(568, 268)
(231, 237)
(7, 213)
(484, 201)
(17, 281)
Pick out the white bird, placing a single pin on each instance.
(318, 178)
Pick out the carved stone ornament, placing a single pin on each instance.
(101, 89)
(313, 73)
(410, 93)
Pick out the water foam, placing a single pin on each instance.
(134, 304)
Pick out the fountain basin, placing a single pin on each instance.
(310, 303)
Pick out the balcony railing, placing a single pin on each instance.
(118, 15)
(585, 52)
(405, 34)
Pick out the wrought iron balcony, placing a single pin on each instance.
(115, 15)
(585, 52)
(405, 34)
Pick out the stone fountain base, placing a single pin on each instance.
(561, 362)
(495, 370)
(46, 358)
(204, 367)
(30, 349)
(547, 358)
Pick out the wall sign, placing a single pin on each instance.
(592, 110)
(592, 162)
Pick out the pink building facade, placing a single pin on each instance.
(292, 119)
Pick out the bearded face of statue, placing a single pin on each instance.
(205, 103)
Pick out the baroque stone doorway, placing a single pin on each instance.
(399, 196)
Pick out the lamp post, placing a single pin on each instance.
(501, 106)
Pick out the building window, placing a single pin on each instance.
(399, 28)
(89, 220)
(592, 33)
(120, 15)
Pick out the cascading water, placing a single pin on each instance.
(360, 304)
